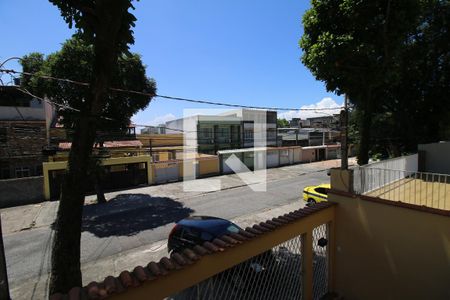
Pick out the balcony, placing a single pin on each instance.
(361, 244)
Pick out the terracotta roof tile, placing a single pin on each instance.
(140, 273)
(253, 231)
(220, 243)
(190, 254)
(126, 279)
(260, 228)
(112, 285)
(202, 251)
(246, 234)
(167, 263)
(179, 259)
(237, 236)
(164, 271)
(229, 240)
(211, 247)
(267, 225)
(110, 144)
(154, 268)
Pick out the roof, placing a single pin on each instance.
(231, 151)
(110, 144)
(148, 274)
(322, 147)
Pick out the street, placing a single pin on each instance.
(135, 223)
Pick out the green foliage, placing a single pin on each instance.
(392, 58)
(282, 123)
(85, 15)
(74, 61)
(352, 44)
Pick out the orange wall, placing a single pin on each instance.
(390, 252)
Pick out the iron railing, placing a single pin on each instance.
(419, 188)
(274, 274)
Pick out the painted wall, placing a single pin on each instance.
(209, 166)
(308, 155)
(21, 191)
(390, 252)
(437, 157)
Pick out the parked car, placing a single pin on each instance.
(316, 193)
(196, 230)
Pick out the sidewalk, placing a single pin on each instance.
(33, 216)
(105, 256)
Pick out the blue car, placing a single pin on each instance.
(196, 230)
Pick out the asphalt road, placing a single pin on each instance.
(132, 220)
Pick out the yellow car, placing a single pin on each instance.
(316, 193)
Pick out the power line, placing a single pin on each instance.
(10, 71)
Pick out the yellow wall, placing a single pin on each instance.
(62, 165)
(390, 252)
(209, 166)
(159, 140)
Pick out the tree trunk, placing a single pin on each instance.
(65, 271)
(99, 189)
(365, 124)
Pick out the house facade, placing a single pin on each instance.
(242, 128)
(24, 127)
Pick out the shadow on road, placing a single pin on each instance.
(129, 214)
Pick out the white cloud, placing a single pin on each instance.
(304, 114)
(156, 121)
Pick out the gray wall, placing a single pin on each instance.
(436, 157)
(21, 191)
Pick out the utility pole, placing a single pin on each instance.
(344, 137)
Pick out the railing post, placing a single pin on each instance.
(308, 265)
(331, 253)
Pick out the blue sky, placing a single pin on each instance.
(233, 51)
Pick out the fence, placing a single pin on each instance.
(288, 257)
(419, 188)
(274, 274)
(366, 178)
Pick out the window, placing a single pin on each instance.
(271, 134)
(4, 173)
(38, 170)
(3, 135)
(248, 134)
(323, 191)
(206, 133)
(22, 172)
(224, 132)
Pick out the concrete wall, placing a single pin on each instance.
(375, 175)
(405, 163)
(21, 191)
(160, 140)
(390, 252)
(308, 155)
(437, 157)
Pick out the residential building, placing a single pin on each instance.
(24, 127)
(242, 128)
(331, 121)
(160, 129)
